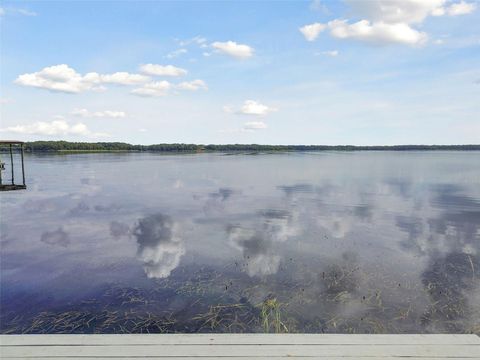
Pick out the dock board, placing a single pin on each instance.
(251, 346)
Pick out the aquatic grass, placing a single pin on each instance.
(270, 316)
(345, 298)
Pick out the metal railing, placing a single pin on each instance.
(9, 147)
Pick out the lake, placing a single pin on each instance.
(318, 242)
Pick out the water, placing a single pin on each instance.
(360, 242)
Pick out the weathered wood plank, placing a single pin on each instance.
(239, 339)
(233, 358)
(320, 351)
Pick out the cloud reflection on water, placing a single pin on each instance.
(57, 237)
(373, 247)
(258, 242)
(160, 246)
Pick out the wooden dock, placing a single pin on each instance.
(251, 346)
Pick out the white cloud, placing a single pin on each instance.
(160, 260)
(192, 85)
(461, 8)
(99, 114)
(311, 32)
(231, 48)
(440, 11)
(408, 11)
(378, 32)
(56, 78)
(153, 89)
(162, 70)
(388, 21)
(252, 107)
(395, 11)
(160, 245)
(2, 11)
(254, 125)
(331, 53)
(52, 128)
(121, 78)
(63, 78)
(176, 53)
(262, 260)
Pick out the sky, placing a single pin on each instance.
(377, 72)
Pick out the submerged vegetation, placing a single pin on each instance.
(65, 146)
(271, 316)
(345, 252)
(344, 298)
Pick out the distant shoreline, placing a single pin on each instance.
(65, 146)
(76, 147)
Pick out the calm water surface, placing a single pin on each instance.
(364, 242)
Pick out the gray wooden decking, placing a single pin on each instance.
(251, 346)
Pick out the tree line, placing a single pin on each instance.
(56, 146)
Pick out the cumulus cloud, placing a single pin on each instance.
(231, 48)
(56, 78)
(162, 70)
(395, 11)
(63, 78)
(52, 128)
(461, 8)
(408, 11)
(160, 246)
(378, 32)
(254, 125)
(388, 21)
(311, 32)
(153, 89)
(192, 85)
(99, 114)
(252, 107)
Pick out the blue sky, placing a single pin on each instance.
(313, 72)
